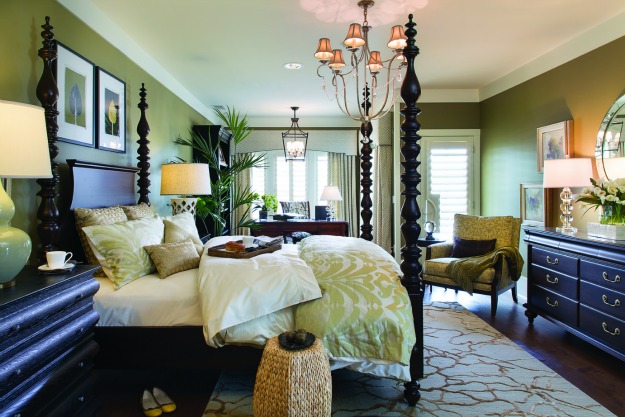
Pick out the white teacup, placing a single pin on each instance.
(248, 241)
(58, 258)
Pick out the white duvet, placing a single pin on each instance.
(265, 284)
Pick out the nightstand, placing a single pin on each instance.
(46, 346)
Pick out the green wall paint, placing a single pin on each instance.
(582, 90)
(449, 115)
(20, 69)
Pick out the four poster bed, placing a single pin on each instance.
(151, 322)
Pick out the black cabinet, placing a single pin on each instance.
(46, 346)
(218, 138)
(576, 281)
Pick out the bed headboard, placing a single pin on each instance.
(94, 185)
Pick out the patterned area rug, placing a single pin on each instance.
(470, 370)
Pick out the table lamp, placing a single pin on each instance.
(185, 179)
(331, 193)
(24, 153)
(565, 173)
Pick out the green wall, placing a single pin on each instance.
(582, 90)
(20, 69)
(449, 115)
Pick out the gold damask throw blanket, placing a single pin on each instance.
(465, 270)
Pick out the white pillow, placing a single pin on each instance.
(119, 247)
(180, 227)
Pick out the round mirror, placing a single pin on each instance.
(610, 141)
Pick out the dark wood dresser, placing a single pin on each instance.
(46, 347)
(578, 282)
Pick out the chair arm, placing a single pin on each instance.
(439, 250)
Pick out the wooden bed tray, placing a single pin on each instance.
(221, 252)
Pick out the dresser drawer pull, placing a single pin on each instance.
(555, 303)
(616, 331)
(617, 303)
(81, 364)
(549, 280)
(616, 279)
(554, 262)
(17, 372)
(79, 297)
(16, 328)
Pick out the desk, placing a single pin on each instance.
(285, 228)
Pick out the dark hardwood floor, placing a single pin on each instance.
(596, 373)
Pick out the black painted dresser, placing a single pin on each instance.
(578, 282)
(46, 346)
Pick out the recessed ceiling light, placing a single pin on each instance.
(293, 65)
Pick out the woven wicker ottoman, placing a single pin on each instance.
(293, 383)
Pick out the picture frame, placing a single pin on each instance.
(75, 80)
(110, 112)
(535, 204)
(554, 142)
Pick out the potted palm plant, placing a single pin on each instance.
(225, 199)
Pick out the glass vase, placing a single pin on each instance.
(612, 213)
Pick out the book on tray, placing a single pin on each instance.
(266, 241)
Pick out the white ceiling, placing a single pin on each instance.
(231, 52)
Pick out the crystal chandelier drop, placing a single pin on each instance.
(369, 98)
(294, 140)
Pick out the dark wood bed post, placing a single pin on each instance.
(143, 129)
(365, 164)
(48, 93)
(410, 178)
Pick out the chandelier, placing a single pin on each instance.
(294, 140)
(371, 98)
(368, 98)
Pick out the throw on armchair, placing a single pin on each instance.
(483, 258)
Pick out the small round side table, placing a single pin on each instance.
(293, 383)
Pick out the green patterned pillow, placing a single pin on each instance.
(119, 248)
(173, 257)
(138, 211)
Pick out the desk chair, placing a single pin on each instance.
(298, 207)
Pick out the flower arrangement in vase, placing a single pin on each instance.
(609, 195)
(267, 202)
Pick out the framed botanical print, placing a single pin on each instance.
(75, 80)
(111, 112)
(535, 204)
(554, 142)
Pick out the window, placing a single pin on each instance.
(447, 181)
(292, 180)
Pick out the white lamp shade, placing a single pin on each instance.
(24, 151)
(331, 193)
(568, 172)
(185, 179)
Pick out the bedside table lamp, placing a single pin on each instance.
(565, 173)
(24, 153)
(185, 179)
(331, 193)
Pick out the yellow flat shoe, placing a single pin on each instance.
(166, 403)
(151, 408)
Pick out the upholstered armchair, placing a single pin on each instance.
(483, 258)
(297, 207)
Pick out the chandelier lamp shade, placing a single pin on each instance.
(23, 154)
(294, 140)
(186, 180)
(372, 84)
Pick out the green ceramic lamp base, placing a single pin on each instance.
(15, 245)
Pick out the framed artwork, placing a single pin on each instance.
(554, 142)
(111, 112)
(535, 204)
(75, 80)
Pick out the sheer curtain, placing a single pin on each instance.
(382, 197)
(343, 172)
(243, 180)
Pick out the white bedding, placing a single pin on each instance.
(263, 285)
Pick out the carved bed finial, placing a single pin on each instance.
(48, 93)
(366, 182)
(143, 129)
(410, 178)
